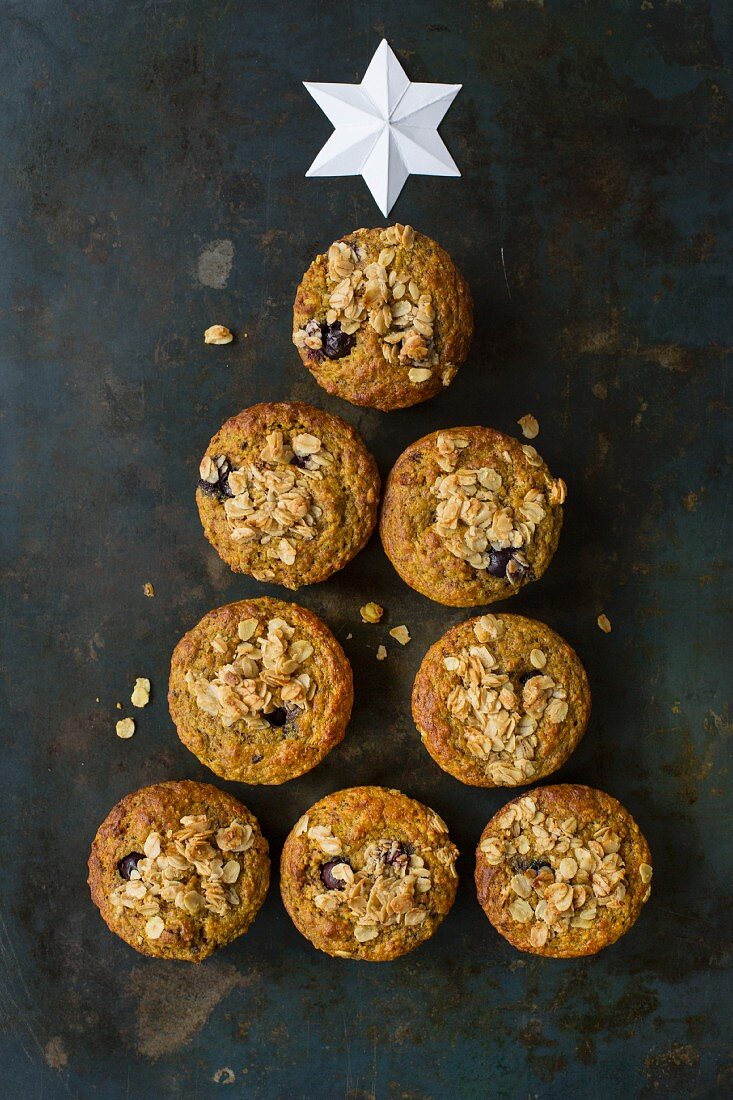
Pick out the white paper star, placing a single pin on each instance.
(385, 128)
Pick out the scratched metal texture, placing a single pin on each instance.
(144, 147)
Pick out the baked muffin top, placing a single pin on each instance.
(500, 700)
(178, 869)
(260, 690)
(470, 516)
(383, 318)
(287, 493)
(563, 871)
(368, 873)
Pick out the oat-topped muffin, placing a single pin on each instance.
(179, 869)
(470, 516)
(287, 493)
(260, 691)
(383, 318)
(563, 871)
(368, 873)
(500, 701)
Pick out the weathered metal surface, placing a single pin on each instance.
(153, 157)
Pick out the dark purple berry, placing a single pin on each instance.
(519, 865)
(396, 855)
(498, 561)
(277, 717)
(336, 344)
(219, 488)
(128, 864)
(327, 878)
(301, 463)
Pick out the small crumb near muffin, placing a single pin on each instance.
(125, 728)
(141, 692)
(371, 612)
(529, 425)
(148, 590)
(604, 623)
(400, 634)
(381, 653)
(218, 334)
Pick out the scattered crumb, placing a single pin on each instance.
(400, 634)
(349, 636)
(148, 589)
(529, 425)
(381, 653)
(604, 623)
(118, 706)
(224, 1076)
(141, 692)
(96, 700)
(371, 612)
(218, 334)
(125, 728)
(600, 390)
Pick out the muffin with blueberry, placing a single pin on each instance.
(470, 516)
(179, 869)
(563, 871)
(287, 493)
(383, 318)
(368, 873)
(500, 701)
(260, 690)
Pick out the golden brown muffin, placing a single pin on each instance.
(470, 516)
(260, 690)
(368, 873)
(563, 871)
(383, 318)
(500, 700)
(179, 869)
(287, 493)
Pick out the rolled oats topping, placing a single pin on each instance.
(389, 885)
(271, 501)
(473, 515)
(261, 679)
(499, 717)
(564, 875)
(379, 294)
(193, 868)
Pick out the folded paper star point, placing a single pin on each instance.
(385, 129)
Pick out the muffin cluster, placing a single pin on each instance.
(261, 691)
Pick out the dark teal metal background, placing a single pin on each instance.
(594, 141)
